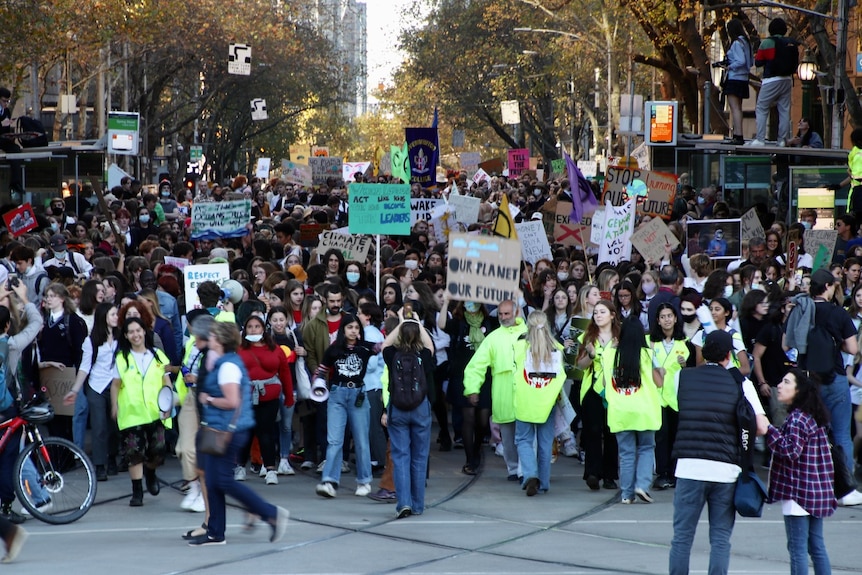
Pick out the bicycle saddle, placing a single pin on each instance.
(39, 413)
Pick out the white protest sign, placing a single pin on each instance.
(195, 275)
(211, 220)
(443, 222)
(470, 162)
(294, 173)
(262, 169)
(352, 247)
(641, 154)
(510, 112)
(651, 238)
(258, 110)
(483, 269)
(597, 225)
(466, 208)
(615, 243)
(534, 241)
(588, 168)
(420, 209)
(349, 170)
(751, 226)
(239, 59)
(480, 176)
(813, 239)
(179, 263)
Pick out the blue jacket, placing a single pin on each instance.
(221, 418)
(740, 60)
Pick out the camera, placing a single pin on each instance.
(12, 283)
(721, 64)
(407, 312)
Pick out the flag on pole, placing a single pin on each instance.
(583, 200)
(504, 225)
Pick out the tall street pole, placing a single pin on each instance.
(838, 74)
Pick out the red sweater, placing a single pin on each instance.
(263, 363)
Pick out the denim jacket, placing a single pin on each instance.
(221, 418)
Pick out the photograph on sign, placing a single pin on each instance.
(483, 269)
(20, 220)
(719, 239)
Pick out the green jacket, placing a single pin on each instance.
(315, 339)
(137, 401)
(535, 395)
(638, 410)
(496, 352)
(671, 366)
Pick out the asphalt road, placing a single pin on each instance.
(472, 526)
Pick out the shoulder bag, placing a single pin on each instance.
(212, 441)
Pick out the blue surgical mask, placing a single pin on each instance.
(806, 225)
(728, 291)
(59, 254)
(144, 219)
(701, 200)
(352, 277)
(471, 306)
(254, 338)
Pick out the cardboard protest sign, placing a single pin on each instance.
(751, 226)
(483, 269)
(651, 238)
(262, 168)
(195, 275)
(58, 382)
(813, 239)
(492, 166)
(534, 241)
(424, 152)
(323, 167)
(519, 161)
(466, 208)
(212, 220)
(380, 209)
(309, 234)
(20, 220)
(351, 247)
(641, 154)
(615, 243)
(565, 231)
(296, 173)
(420, 209)
(470, 162)
(350, 169)
(661, 190)
(179, 263)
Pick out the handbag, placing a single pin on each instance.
(843, 481)
(749, 495)
(212, 441)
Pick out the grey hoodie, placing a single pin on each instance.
(799, 323)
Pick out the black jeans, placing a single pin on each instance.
(600, 446)
(266, 431)
(102, 426)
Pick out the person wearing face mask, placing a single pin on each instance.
(496, 352)
(167, 201)
(646, 292)
(30, 275)
(356, 279)
(268, 367)
(688, 306)
(143, 228)
(62, 258)
(750, 278)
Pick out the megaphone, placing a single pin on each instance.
(231, 290)
(319, 390)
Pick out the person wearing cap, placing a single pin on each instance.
(63, 258)
(708, 452)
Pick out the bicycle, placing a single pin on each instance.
(64, 473)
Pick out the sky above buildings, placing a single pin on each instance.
(385, 22)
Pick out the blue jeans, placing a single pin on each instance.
(340, 409)
(688, 500)
(836, 397)
(535, 462)
(285, 429)
(410, 442)
(637, 459)
(220, 482)
(79, 419)
(804, 538)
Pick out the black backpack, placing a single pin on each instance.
(408, 386)
(786, 56)
(820, 356)
(37, 136)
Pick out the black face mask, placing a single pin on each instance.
(688, 318)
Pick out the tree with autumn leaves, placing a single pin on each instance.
(168, 60)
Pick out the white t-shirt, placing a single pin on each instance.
(229, 373)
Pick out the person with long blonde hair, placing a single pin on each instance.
(539, 378)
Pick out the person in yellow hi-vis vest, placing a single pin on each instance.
(139, 375)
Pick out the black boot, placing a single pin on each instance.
(152, 481)
(7, 513)
(137, 499)
(101, 473)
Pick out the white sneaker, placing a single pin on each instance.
(363, 489)
(271, 477)
(44, 508)
(198, 505)
(755, 142)
(239, 473)
(325, 490)
(192, 494)
(306, 465)
(852, 498)
(320, 466)
(345, 467)
(263, 471)
(498, 451)
(284, 467)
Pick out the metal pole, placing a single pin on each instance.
(707, 85)
(610, 106)
(838, 74)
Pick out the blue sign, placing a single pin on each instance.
(424, 152)
(859, 63)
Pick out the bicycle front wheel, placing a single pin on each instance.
(55, 480)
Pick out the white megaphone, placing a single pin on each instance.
(232, 290)
(319, 390)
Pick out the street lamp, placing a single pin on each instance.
(807, 71)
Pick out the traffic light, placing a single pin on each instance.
(189, 183)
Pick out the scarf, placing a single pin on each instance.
(474, 320)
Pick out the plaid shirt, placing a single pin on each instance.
(802, 468)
